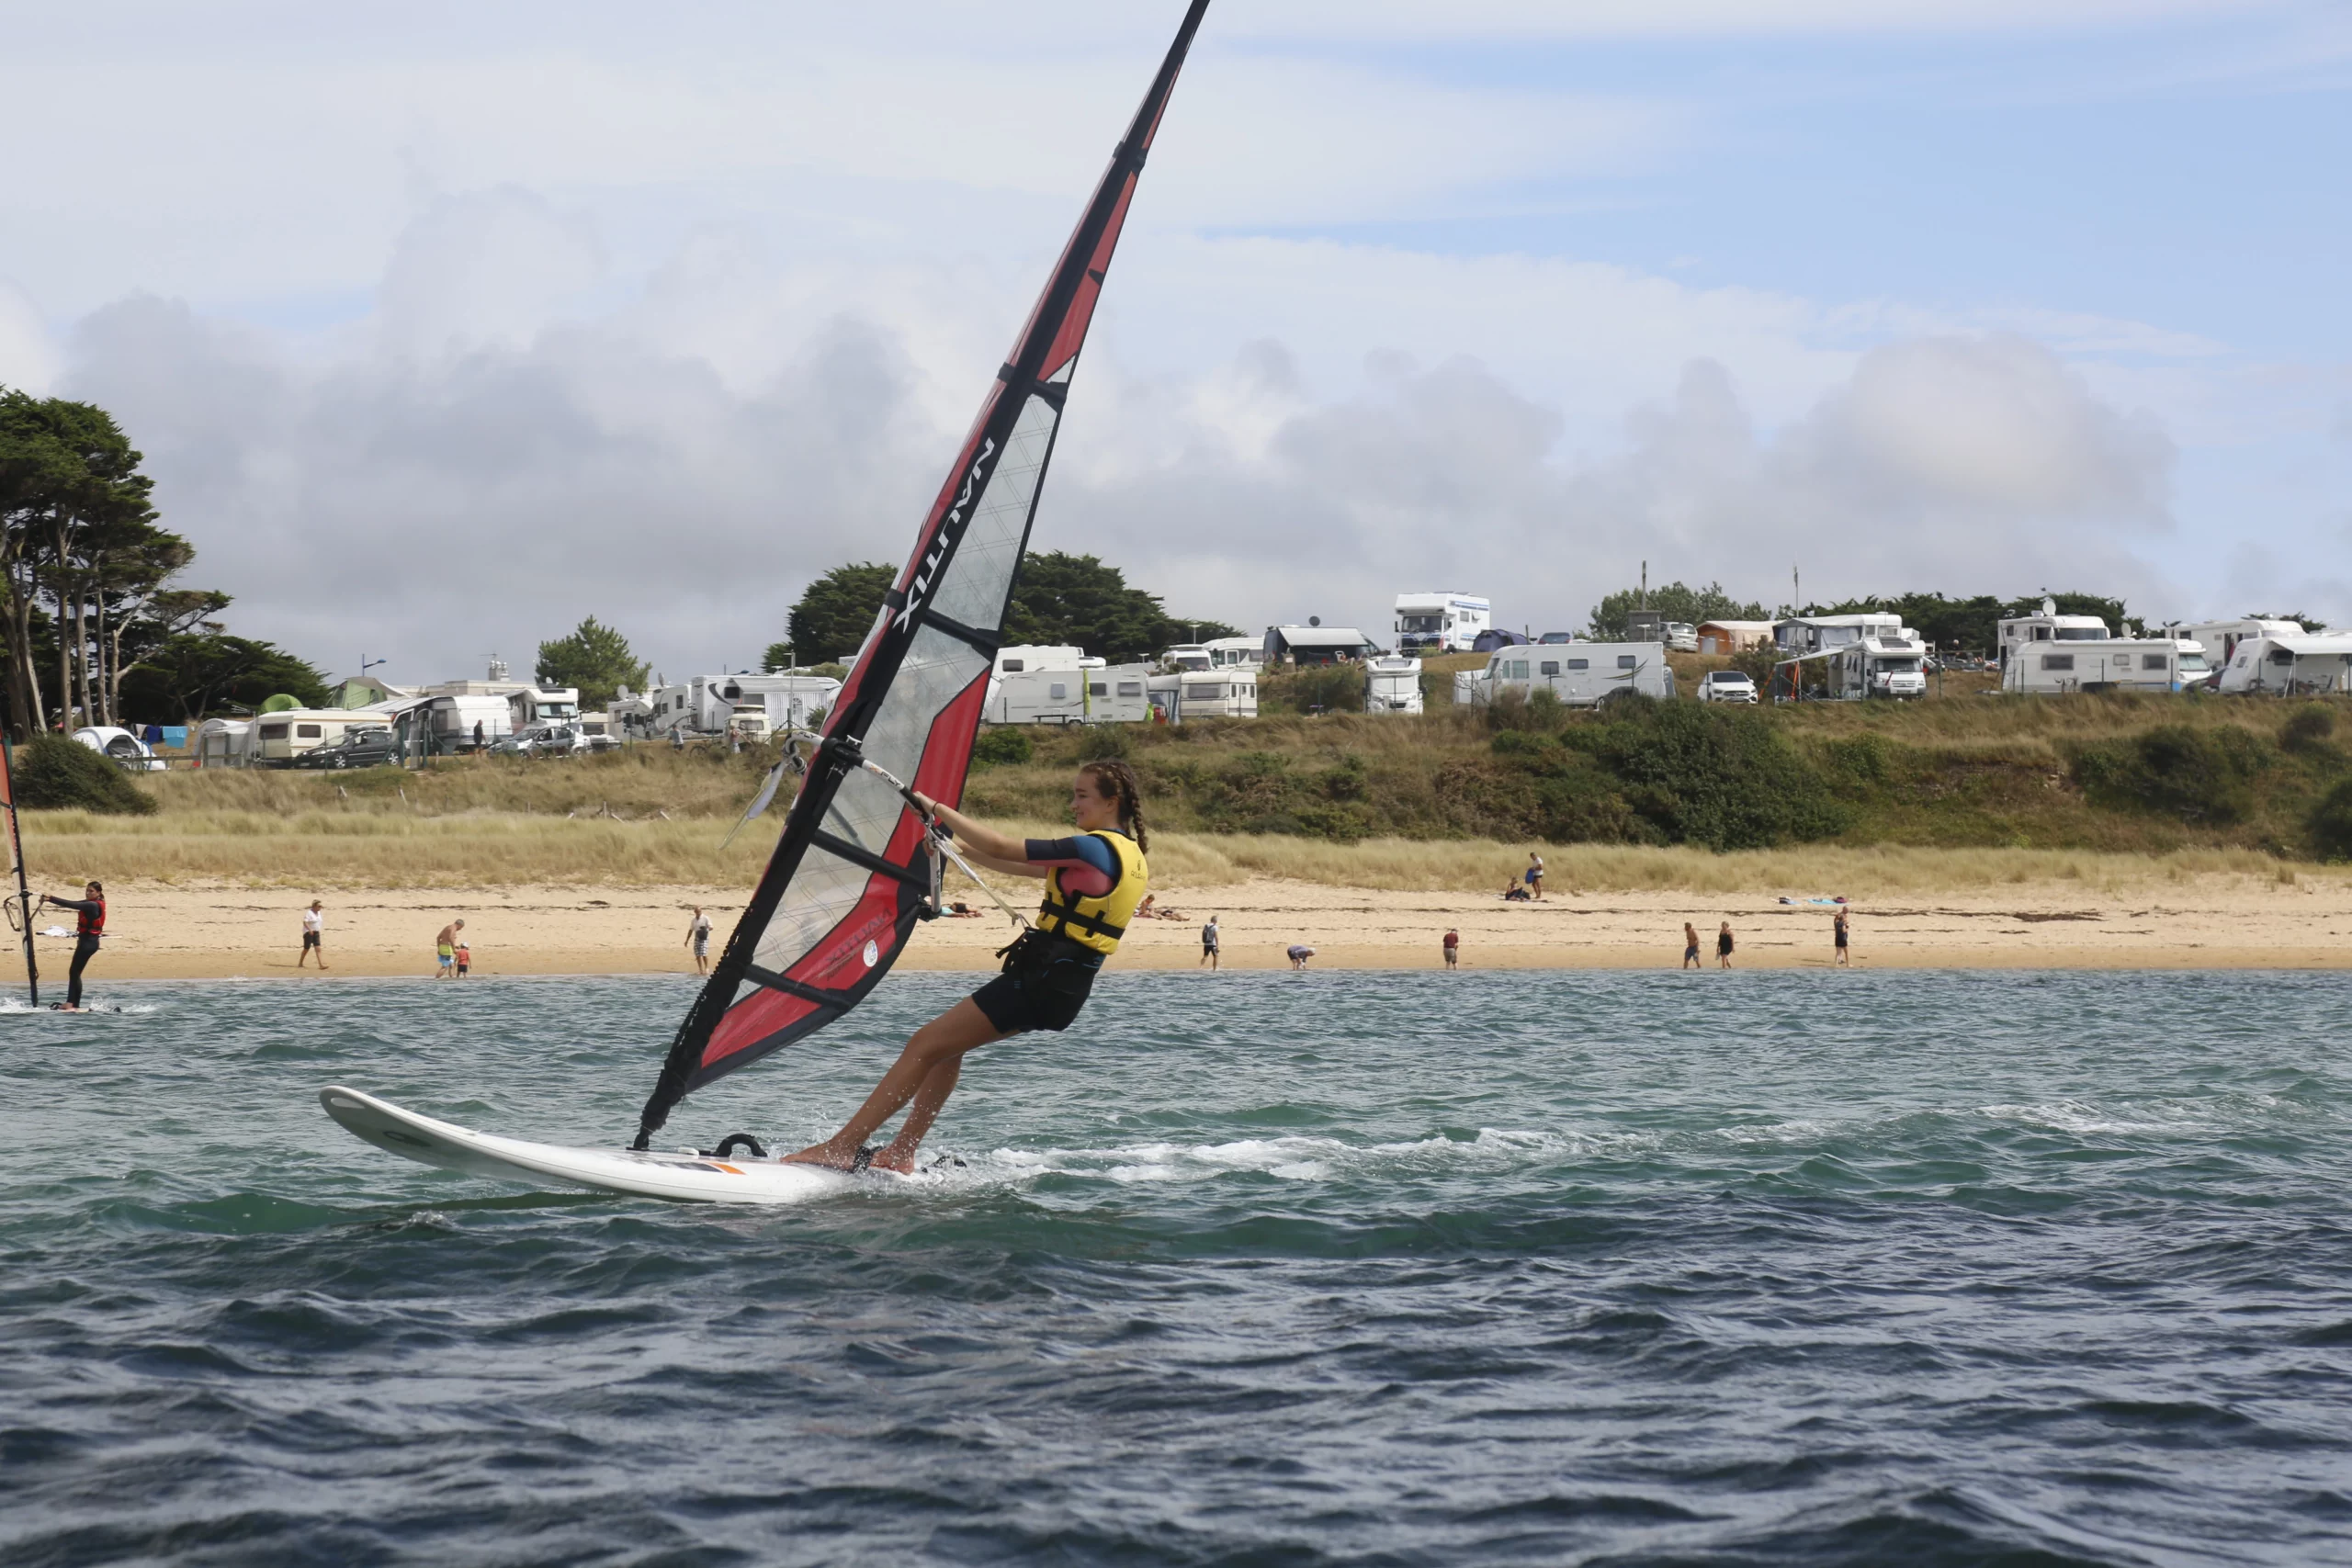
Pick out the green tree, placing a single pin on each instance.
(192, 673)
(594, 657)
(832, 619)
(1076, 600)
(1675, 602)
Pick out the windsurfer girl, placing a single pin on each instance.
(1093, 881)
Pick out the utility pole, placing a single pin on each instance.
(1796, 592)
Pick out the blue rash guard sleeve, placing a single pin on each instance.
(1089, 866)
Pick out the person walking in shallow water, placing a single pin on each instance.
(1690, 946)
(1209, 938)
(698, 938)
(1841, 937)
(1723, 947)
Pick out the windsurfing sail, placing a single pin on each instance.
(855, 868)
(20, 907)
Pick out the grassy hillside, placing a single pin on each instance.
(1985, 788)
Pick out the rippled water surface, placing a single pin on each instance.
(1251, 1268)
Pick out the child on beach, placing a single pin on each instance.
(465, 960)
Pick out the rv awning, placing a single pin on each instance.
(1320, 637)
(2309, 645)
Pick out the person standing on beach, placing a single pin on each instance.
(1839, 925)
(1723, 946)
(698, 938)
(1452, 947)
(1689, 945)
(1535, 875)
(465, 956)
(314, 925)
(445, 948)
(1209, 943)
(89, 926)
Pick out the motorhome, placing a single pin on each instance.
(1315, 643)
(1230, 692)
(543, 704)
(2220, 640)
(1441, 621)
(451, 722)
(1392, 684)
(1878, 667)
(279, 738)
(1027, 659)
(1819, 634)
(1236, 653)
(2021, 632)
(785, 700)
(223, 742)
(2315, 664)
(1581, 674)
(2052, 666)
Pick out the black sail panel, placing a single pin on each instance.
(846, 882)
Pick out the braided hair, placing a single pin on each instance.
(1118, 781)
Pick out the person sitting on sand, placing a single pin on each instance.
(1723, 946)
(1515, 893)
(1689, 945)
(1300, 953)
(959, 910)
(1452, 947)
(1147, 910)
(445, 949)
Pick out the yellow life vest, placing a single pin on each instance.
(1097, 922)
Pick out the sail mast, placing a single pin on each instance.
(844, 889)
(16, 861)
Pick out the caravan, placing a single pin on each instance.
(2312, 665)
(279, 738)
(2220, 640)
(1581, 674)
(1439, 622)
(1230, 692)
(2050, 668)
(1392, 684)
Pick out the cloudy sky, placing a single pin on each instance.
(444, 325)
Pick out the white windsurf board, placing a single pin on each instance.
(681, 1176)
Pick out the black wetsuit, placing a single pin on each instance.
(91, 927)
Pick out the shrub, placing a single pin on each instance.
(57, 775)
(2331, 823)
(2202, 777)
(1002, 745)
(1722, 777)
(2307, 730)
(1326, 688)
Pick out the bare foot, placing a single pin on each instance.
(893, 1158)
(826, 1157)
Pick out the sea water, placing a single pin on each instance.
(1825, 1267)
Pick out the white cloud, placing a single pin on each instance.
(27, 358)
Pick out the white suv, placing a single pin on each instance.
(1726, 686)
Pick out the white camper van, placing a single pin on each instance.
(1392, 684)
(2050, 668)
(450, 722)
(1230, 692)
(2220, 640)
(1580, 674)
(2315, 664)
(2022, 632)
(543, 706)
(1116, 694)
(1819, 634)
(1878, 667)
(1441, 621)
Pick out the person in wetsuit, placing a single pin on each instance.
(1094, 879)
(92, 925)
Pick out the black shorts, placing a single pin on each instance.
(1045, 981)
(310, 939)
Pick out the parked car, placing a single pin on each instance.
(1557, 638)
(371, 747)
(1726, 686)
(540, 741)
(1681, 636)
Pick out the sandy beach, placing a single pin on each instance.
(159, 932)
